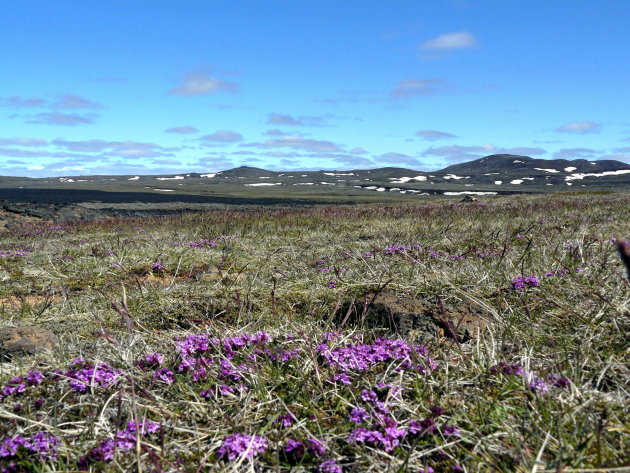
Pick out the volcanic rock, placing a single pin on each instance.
(27, 340)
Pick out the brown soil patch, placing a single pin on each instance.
(416, 319)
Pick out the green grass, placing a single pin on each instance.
(262, 276)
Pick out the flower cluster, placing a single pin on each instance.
(535, 383)
(41, 444)
(123, 441)
(19, 384)
(203, 244)
(83, 375)
(525, 281)
(361, 357)
(237, 445)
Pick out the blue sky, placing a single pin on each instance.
(148, 87)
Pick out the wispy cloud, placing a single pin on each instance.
(23, 102)
(200, 83)
(398, 158)
(298, 142)
(458, 154)
(580, 127)
(281, 119)
(120, 149)
(23, 142)
(358, 150)
(183, 130)
(223, 136)
(434, 135)
(411, 88)
(575, 153)
(62, 119)
(450, 41)
(71, 101)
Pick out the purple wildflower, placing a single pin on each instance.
(359, 415)
(42, 444)
(538, 385)
(286, 419)
(295, 448)
(525, 281)
(165, 375)
(451, 431)
(332, 284)
(422, 427)
(316, 447)
(34, 377)
(558, 381)
(329, 466)
(237, 445)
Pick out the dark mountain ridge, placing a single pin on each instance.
(514, 162)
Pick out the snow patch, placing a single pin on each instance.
(582, 175)
(165, 190)
(547, 170)
(135, 178)
(517, 161)
(453, 176)
(265, 184)
(570, 169)
(338, 174)
(498, 183)
(516, 181)
(402, 180)
(470, 193)
(169, 178)
(209, 175)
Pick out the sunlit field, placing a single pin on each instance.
(435, 336)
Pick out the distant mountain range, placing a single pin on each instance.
(490, 175)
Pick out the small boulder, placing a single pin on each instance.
(469, 199)
(28, 340)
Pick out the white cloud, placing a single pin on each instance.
(182, 130)
(23, 142)
(398, 158)
(575, 153)
(199, 83)
(410, 88)
(63, 119)
(434, 135)
(71, 101)
(580, 127)
(297, 142)
(449, 41)
(281, 119)
(223, 136)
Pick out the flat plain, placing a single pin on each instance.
(416, 335)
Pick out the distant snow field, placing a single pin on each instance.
(471, 193)
(264, 184)
(169, 178)
(209, 175)
(454, 176)
(135, 178)
(582, 175)
(570, 169)
(402, 180)
(516, 181)
(547, 170)
(338, 174)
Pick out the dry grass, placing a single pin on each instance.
(96, 287)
